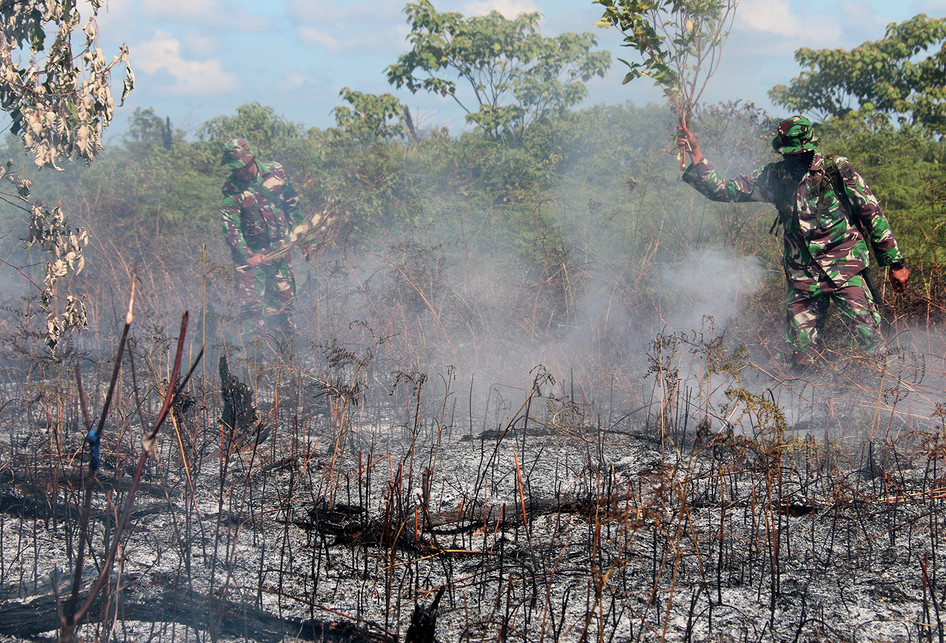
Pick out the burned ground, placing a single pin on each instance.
(722, 501)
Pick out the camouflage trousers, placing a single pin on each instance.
(807, 311)
(267, 293)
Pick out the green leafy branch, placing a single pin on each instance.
(679, 43)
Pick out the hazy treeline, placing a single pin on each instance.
(575, 242)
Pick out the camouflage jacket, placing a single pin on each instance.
(818, 231)
(258, 214)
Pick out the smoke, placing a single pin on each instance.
(580, 282)
(713, 284)
(578, 285)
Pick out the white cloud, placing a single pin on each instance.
(353, 39)
(182, 9)
(931, 8)
(295, 80)
(313, 36)
(201, 77)
(372, 26)
(223, 14)
(312, 85)
(509, 8)
(779, 18)
(368, 11)
(861, 20)
(201, 43)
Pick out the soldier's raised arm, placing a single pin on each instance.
(687, 142)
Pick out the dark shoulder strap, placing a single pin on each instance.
(831, 170)
(778, 213)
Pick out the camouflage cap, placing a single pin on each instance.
(237, 153)
(795, 136)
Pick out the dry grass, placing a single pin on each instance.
(672, 488)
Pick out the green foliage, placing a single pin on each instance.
(258, 124)
(152, 189)
(900, 77)
(371, 118)
(516, 75)
(930, 220)
(373, 185)
(148, 129)
(679, 43)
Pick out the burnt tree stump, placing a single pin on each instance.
(423, 628)
(239, 419)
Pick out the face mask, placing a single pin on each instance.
(798, 164)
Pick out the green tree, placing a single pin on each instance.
(514, 74)
(266, 130)
(147, 128)
(900, 77)
(371, 117)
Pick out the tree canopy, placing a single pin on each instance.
(513, 74)
(371, 117)
(901, 77)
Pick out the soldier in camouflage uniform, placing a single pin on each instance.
(825, 245)
(260, 208)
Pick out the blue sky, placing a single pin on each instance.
(197, 59)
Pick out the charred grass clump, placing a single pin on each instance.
(331, 493)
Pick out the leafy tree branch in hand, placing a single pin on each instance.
(679, 44)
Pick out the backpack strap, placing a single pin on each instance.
(834, 175)
(781, 198)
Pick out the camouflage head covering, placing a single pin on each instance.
(795, 136)
(237, 153)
